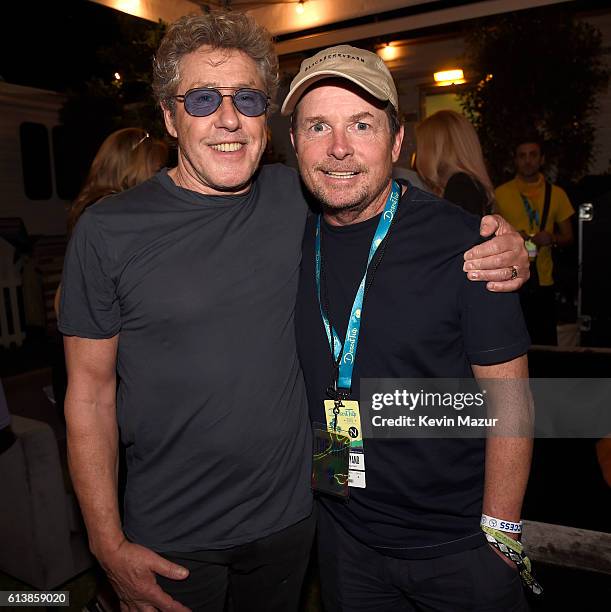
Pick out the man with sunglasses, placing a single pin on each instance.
(186, 287)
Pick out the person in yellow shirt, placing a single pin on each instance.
(541, 212)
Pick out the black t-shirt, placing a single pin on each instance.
(468, 193)
(211, 403)
(421, 319)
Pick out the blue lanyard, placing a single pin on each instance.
(348, 353)
(533, 215)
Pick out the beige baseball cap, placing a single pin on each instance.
(362, 67)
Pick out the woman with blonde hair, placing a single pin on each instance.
(127, 157)
(449, 160)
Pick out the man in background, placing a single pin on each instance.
(541, 212)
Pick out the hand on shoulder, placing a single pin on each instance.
(502, 261)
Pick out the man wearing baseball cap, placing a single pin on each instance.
(211, 402)
(382, 295)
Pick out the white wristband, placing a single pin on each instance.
(501, 525)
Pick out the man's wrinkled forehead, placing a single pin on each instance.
(207, 66)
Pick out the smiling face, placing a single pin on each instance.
(345, 150)
(217, 154)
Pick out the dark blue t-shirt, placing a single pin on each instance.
(421, 318)
(211, 403)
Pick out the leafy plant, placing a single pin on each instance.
(537, 70)
(105, 103)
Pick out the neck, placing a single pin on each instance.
(357, 215)
(183, 177)
(534, 178)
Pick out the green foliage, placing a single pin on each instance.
(132, 58)
(538, 70)
(104, 103)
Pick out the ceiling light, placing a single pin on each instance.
(388, 52)
(131, 7)
(449, 77)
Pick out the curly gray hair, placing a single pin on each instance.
(219, 30)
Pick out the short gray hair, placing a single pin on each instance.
(219, 30)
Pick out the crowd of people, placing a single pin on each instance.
(209, 319)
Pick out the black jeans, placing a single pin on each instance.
(357, 578)
(263, 576)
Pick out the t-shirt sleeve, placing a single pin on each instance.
(493, 326)
(88, 307)
(564, 207)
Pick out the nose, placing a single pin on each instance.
(340, 146)
(226, 116)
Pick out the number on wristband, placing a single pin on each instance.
(500, 524)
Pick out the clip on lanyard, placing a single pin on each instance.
(344, 355)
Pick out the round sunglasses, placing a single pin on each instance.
(203, 101)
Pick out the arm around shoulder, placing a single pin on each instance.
(502, 261)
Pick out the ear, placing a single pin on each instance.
(169, 121)
(396, 147)
(292, 135)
